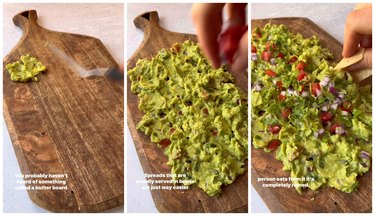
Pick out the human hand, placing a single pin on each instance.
(208, 20)
(358, 31)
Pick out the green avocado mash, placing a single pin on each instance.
(316, 119)
(196, 113)
(25, 70)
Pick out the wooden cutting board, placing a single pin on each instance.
(153, 160)
(64, 124)
(265, 165)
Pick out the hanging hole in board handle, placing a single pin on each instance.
(147, 20)
(24, 18)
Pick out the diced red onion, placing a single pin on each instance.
(344, 113)
(270, 37)
(325, 81)
(290, 91)
(273, 61)
(321, 131)
(254, 57)
(325, 108)
(338, 100)
(331, 84)
(332, 90)
(316, 135)
(257, 87)
(305, 94)
(322, 83)
(365, 155)
(341, 95)
(334, 106)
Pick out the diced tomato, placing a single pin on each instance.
(266, 55)
(205, 111)
(165, 143)
(292, 60)
(214, 133)
(172, 130)
(270, 46)
(346, 106)
(281, 97)
(274, 129)
(286, 112)
(301, 65)
(315, 87)
(332, 130)
(273, 144)
(302, 75)
(280, 55)
(326, 116)
(270, 73)
(280, 85)
(253, 49)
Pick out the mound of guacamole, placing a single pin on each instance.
(26, 69)
(316, 119)
(195, 113)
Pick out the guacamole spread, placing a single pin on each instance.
(195, 113)
(26, 69)
(316, 119)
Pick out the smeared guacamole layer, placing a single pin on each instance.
(316, 119)
(195, 113)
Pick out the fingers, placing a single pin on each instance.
(241, 57)
(236, 13)
(358, 26)
(365, 63)
(208, 21)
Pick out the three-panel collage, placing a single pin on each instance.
(187, 107)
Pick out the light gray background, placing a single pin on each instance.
(330, 17)
(104, 21)
(174, 17)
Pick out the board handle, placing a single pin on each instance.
(24, 18)
(147, 20)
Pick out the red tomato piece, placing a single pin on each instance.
(281, 97)
(266, 55)
(332, 130)
(302, 75)
(315, 87)
(301, 65)
(346, 106)
(326, 116)
(280, 55)
(286, 112)
(292, 59)
(165, 143)
(253, 49)
(274, 129)
(273, 144)
(270, 73)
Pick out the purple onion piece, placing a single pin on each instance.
(365, 155)
(332, 90)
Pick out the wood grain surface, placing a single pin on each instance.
(153, 160)
(65, 124)
(264, 164)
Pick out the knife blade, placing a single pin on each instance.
(112, 73)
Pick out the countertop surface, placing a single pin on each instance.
(174, 17)
(103, 21)
(330, 17)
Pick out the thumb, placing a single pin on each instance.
(365, 63)
(241, 57)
